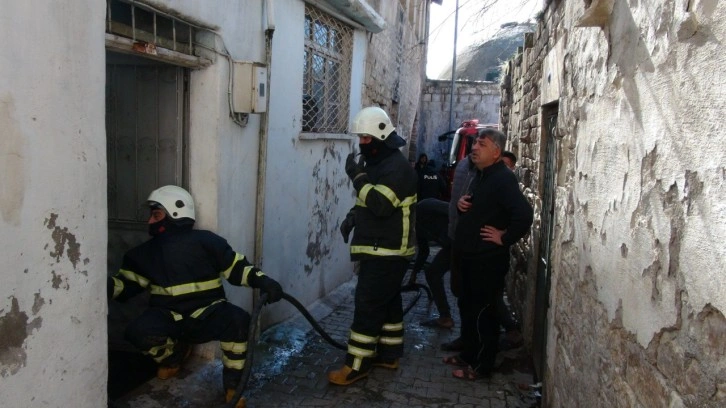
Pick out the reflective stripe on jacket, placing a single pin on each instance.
(385, 211)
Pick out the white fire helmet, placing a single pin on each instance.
(375, 122)
(177, 202)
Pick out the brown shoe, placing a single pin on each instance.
(346, 376)
(242, 403)
(441, 322)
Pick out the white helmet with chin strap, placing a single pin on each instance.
(374, 121)
(177, 202)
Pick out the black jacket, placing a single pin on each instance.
(385, 211)
(498, 202)
(182, 270)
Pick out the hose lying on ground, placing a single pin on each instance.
(252, 342)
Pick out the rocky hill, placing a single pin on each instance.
(482, 61)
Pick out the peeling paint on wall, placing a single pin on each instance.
(15, 328)
(62, 239)
(12, 163)
(328, 177)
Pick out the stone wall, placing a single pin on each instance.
(637, 292)
(472, 100)
(395, 66)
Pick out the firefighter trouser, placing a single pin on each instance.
(164, 335)
(482, 282)
(377, 327)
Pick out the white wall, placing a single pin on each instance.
(52, 205)
(649, 166)
(307, 192)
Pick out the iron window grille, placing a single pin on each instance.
(327, 65)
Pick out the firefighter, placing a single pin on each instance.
(382, 222)
(182, 268)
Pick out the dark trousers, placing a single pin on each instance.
(377, 327)
(482, 283)
(435, 279)
(157, 333)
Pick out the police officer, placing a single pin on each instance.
(182, 268)
(383, 241)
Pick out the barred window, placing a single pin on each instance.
(326, 82)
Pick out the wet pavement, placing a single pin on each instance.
(291, 362)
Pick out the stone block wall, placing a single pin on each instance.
(636, 306)
(472, 100)
(395, 67)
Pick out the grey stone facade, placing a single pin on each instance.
(636, 292)
(472, 100)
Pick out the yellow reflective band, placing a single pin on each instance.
(360, 249)
(357, 363)
(168, 350)
(201, 310)
(246, 274)
(134, 277)
(362, 338)
(391, 340)
(228, 271)
(176, 316)
(186, 288)
(393, 326)
(359, 352)
(118, 287)
(406, 227)
(363, 193)
(236, 348)
(233, 364)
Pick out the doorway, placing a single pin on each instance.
(544, 268)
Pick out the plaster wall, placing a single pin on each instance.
(52, 205)
(636, 313)
(307, 191)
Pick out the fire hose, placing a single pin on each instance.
(252, 342)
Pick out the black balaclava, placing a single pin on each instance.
(375, 151)
(169, 224)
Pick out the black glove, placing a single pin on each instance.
(271, 288)
(347, 225)
(353, 168)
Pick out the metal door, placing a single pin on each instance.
(545, 242)
(145, 127)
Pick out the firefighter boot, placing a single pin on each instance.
(390, 363)
(346, 376)
(164, 372)
(242, 403)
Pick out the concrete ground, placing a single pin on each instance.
(291, 361)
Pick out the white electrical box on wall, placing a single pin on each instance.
(249, 87)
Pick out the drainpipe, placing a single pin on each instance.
(262, 152)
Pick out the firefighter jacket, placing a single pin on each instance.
(183, 271)
(385, 211)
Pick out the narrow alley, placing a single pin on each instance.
(291, 361)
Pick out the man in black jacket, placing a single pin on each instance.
(494, 214)
(183, 268)
(383, 242)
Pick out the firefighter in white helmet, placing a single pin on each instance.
(382, 222)
(182, 268)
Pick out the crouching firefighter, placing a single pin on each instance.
(182, 268)
(382, 222)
